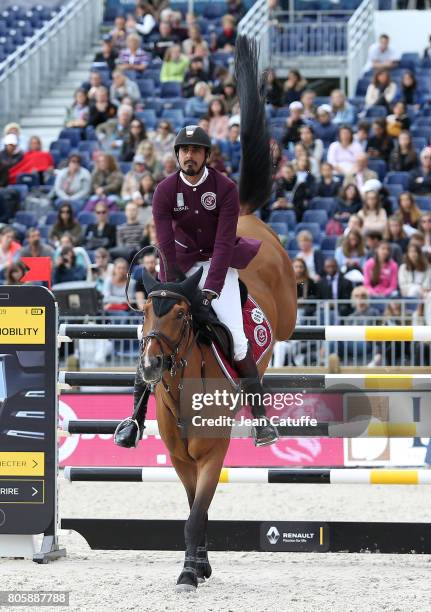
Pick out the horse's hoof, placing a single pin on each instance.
(185, 588)
(264, 435)
(127, 434)
(187, 581)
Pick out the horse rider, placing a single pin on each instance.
(196, 212)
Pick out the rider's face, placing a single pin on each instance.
(192, 159)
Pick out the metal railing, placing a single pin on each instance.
(255, 25)
(37, 65)
(122, 354)
(360, 35)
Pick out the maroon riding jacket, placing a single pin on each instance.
(198, 223)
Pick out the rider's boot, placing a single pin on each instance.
(130, 430)
(265, 433)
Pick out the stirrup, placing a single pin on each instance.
(122, 426)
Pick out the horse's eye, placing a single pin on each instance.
(180, 314)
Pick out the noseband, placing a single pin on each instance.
(170, 362)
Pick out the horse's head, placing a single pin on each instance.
(167, 325)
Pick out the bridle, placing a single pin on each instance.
(170, 361)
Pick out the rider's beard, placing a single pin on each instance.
(189, 170)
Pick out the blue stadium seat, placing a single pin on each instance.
(117, 218)
(280, 229)
(316, 216)
(72, 134)
(399, 178)
(174, 116)
(424, 202)
(51, 218)
(394, 189)
(146, 87)
(362, 86)
(214, 10)
(155, 104)
(313, 228)
(148, 116)
(90, 133)
(292, 247)
(419, 142)
(424, 131)
(170, 89)
(153, 74)
(125, 166)
(31, 179)
(62, 145)
(283, 216)
(379, 166)
(422, 122)
(329, 243)
(26, 218)
(44, 231)
(323, 204)
(376, 111)
(22, 190)
(85, 218)
(89, 146)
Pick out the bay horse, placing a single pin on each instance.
(169, 342)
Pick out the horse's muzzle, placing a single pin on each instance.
(152, 369)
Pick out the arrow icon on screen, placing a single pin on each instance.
(36, 491)
(35, 463)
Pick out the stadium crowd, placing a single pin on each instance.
(352, 178)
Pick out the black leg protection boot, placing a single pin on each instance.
(129, 431)
(264, 433)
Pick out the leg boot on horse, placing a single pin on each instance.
(265, 433)
(130, 430)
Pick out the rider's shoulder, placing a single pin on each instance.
(223, 181)
(168, 183)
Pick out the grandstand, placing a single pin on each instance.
(90, 101)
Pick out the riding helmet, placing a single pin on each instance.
(192, 135)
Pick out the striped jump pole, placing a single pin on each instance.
(353, 429)
(276, 382)
(352, 476)
(352, 333)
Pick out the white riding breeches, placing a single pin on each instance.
(227, 306)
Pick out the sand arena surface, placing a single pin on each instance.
(241, 582)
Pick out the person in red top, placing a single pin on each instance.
(196, 212)
(8, 247)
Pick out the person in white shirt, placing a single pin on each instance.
(381, 55)
(343, 154)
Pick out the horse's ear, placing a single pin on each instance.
(148, 281)
(191, 283)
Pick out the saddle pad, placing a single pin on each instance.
(258, 332)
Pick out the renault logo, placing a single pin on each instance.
(273, 535)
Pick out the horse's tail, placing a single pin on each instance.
(255, 179)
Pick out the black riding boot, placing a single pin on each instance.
(130, 430)
(265, 433)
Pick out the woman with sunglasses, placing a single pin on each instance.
(132, 139)
(66, 222)
(163, 140)
(102, 233)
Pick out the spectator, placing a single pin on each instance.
(420, 178)
(102, 268)
(354, 223)
(363, 311)
(108, 55)
(144, 198)
(174, 65)
(312, 145)
(226, 38)
(193, 41)
(427, 50)
(93, 85)
(237, 9)
(82, 257)
(163, 140)
(307, 99)
(362, 134)
(152, 164)
(302, 165)
(372, 213)
(121, 87)
(381, 55)
(342, 111)
(132, 178)
(291, 193)
(333, 287)
(381, 273)
(198, 104)
(78, 114)
(15, 129)
(343, 154)
(129, 234)
(111, 133)
(348, 203)
(425, 229)
(218, 119)
(114, 289)
(293, 87)
(101, 110)
(361, 172)
(372, 241)
(194, 75)
(106, 178)
(293, 124)
(169, 166)
(409, 93)
(149, 263)
(306, 288)
(403, 157)
(408, 211)
(216, 160)
(132, 139)
(165, 40)
(312, 256)
(279, 159)
(14, 273)
(72, 183)
(102, 233)
(380, 145)
(350, 255)
(414, 275)
(394, 232)
(66, 222)
(10, 156)
(381, 91)
(232, 148)
(382, 192)
(118, 34)
(149, 236)
(274, 89)
(66, 269)
(328, 185)
(229, 97)
(9, 247)
(145, 21)
(398, 121)
(323, 126)
(133, 58)
(35, 247)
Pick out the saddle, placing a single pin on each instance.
(214, 331)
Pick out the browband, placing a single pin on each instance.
(168, 294)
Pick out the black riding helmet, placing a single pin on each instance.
(192, 135)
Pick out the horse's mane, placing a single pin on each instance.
(255, 179)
